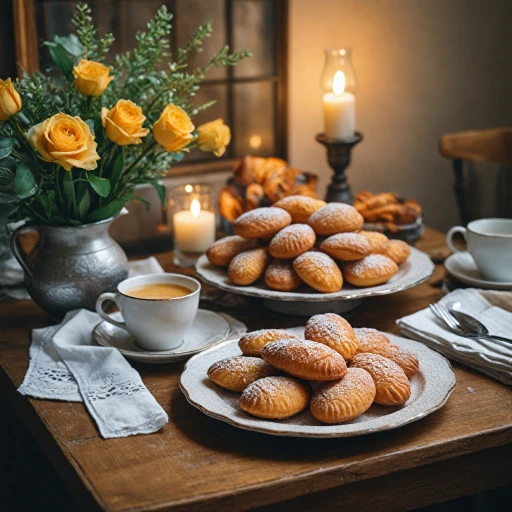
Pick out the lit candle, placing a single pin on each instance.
(194, 229)
(339, 110)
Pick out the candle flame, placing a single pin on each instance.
(188, 188)
(338, 83)
(195, 208)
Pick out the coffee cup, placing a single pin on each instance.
(489, 242)
(156, 323)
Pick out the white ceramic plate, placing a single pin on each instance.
(430, 389)
(415, 270)
(463, 267)
(208, 329)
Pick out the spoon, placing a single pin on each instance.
(475, 326)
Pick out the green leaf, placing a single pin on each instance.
(117, 168)
(6, 176)
(100, 185)
(109, 210)
(160, 189)
(60, 57)
(83, 204)
(24, 183)
(47, 205)
(71, 44)
(5, 146)
(67, 187)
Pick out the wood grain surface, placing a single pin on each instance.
(198, 463)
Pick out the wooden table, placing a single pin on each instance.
(198, 463)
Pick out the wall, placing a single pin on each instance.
(425, 68)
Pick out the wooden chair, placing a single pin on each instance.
(490, 146)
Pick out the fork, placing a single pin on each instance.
(454, 325)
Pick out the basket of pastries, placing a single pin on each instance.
(388, 214)
(301, 241)
(258, 182)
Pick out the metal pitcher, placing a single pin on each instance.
(70, 266)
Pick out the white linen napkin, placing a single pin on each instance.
(492, 308)
(66, 364)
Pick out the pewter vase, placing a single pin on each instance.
(70, 266)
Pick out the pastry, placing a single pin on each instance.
(248, 266)
(236, 373)
(377, 240)
(230, 206)
(254, 196)
(275, 397)
(345, 399)
(397, 250)
(391, 383)
(221, 252)
(319, 271)
(388, 208)
(335, 218)
(368, 338)
(370, 271)
(334, 331)
(347, 246)
(261, 222)
(251, 343)
(287, 181)
(305, 359)
(292, 241)
(281, 276)
(267, 166)
(300, 207)
(403, 358)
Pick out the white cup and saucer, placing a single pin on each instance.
(159, 319)
(487, 263)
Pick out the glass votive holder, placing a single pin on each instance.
(191, 212)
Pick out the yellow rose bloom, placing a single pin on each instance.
(214, 136)
(66, 141)
(10, 101)
(123, 123)
(174, 129)
(91, 78)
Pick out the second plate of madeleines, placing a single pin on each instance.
(304, 247)
(322, 380)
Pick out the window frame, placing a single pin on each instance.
(27, 59)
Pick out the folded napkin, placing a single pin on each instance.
(492, 308)
(66, 364)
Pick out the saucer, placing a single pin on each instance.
(208, 329)
(462, 266)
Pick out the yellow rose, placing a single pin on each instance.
(10, 101)
(66, 141)
(91, 78)
(123, 123)
(174, 129)
(214, 136)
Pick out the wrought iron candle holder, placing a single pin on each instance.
(338, 156)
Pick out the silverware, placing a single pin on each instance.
(456, 327)
(474, 325)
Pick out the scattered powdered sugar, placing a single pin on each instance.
(335, 218)
(320, 260)
(382, 370)
(355, 380)
(368, 337)
(347, 241)
(253, 260)
(293, 238)
(374, 263)
(237, 364)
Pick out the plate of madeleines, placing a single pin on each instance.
(302, 249)
(322, 380)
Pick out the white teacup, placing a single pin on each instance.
(490, 245)
(156, 324)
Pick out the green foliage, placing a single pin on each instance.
(146, 75)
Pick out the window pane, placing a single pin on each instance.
(192, 13)
(253, 28)
(207, 93)
(253, 129)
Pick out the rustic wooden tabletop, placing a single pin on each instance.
(198, 463)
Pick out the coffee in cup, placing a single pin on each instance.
(158, 309)
(489, 242)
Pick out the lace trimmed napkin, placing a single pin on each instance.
(66, 364)
(492, 308)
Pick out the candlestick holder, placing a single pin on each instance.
(338, 156)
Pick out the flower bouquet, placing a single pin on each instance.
(75, 142)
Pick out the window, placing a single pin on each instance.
(251, 98)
